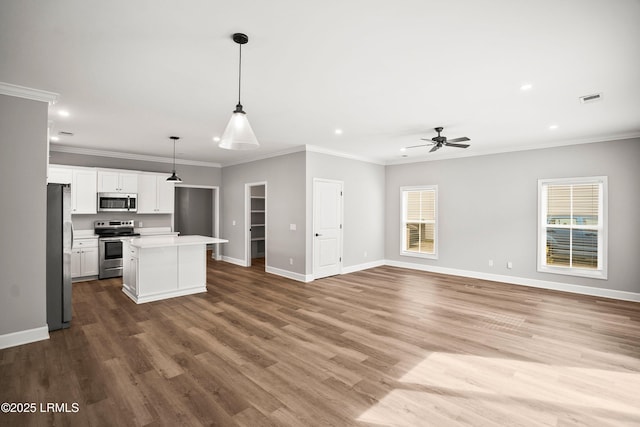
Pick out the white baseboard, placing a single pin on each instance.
(289, 274)
(534, 283)
(236, 261)
(24, 337)
(365, 266)
(164, 295)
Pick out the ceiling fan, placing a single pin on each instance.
(440, 141)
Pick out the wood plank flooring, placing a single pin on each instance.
(385, 346)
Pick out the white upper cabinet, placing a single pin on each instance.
(59, 175)
(155, 194)
(117, 182)
(83, 186)
(83, 191)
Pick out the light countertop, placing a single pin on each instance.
(151, 231)
(165, 241)
(84, 234)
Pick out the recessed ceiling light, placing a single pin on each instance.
(338, 131)
(403, 149)
(526, 86)
(553, 127)
(63, 113)
(216, 139)
(55, 138)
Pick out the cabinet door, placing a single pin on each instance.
(147, 189)
(108, 182)
(83, 192)
(128, 183)
(59, 175)
(133, 275)
(166, 194)
(76, 263)
(90, 262)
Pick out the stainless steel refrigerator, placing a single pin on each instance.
(59, 241)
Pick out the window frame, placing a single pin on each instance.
(403, 214)
(602, 228)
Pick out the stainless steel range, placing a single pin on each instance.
(111, 235)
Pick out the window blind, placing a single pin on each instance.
(572, 224)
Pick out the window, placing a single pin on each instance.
(419, 221)
(572, 226)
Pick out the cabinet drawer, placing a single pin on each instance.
(133, 251)
(85, 243)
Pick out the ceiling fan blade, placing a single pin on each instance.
(435, 147)
(464, 138)
(417, 146)
(457, 145)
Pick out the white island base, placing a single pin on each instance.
(156, 268)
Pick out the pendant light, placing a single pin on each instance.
(238, 134)
(174, 177)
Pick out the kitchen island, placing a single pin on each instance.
(160, 267)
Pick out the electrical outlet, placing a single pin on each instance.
(490, 263)
(509, 264)
(292, 227)
(233, 222)
(365, 254)
(291, 261)
(140, 224)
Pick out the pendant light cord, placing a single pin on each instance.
(239, 73)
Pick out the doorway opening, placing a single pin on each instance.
(256, 224)
(196, 212)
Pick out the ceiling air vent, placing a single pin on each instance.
(591, 98)
(65, 133)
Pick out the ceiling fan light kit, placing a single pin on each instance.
(238, 134)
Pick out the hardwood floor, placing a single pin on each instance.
(385, 346)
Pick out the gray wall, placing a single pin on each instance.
(364, 206)
(194, 211)
(488, 209)
(285, 177)
(23, 185)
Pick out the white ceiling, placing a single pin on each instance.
(132, 73)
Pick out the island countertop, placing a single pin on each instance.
(166, 241)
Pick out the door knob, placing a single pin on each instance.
(318, 234)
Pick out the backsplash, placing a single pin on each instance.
(85, 222)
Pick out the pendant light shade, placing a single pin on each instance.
(174, 178)
(238, 134)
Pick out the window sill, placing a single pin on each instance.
(576, 272)
(419, 255)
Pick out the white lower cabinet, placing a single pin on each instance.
(130, 268)
(84, 258)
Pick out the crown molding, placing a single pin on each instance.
(544, 146)
(129, 156)
(28, 93)
(310, 148)
(278, 153)
(322, 150)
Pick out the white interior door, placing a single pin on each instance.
(327, 228)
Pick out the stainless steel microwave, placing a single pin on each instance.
(117, 202)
